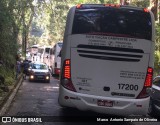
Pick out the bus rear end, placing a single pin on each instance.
(56, 64)
(107, 59)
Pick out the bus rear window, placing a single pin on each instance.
(113, 21)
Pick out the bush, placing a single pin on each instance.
(156, 63)
(2, 71)
(9, 81)
(8, 74)
(1, 92)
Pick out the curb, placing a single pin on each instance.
(10, 96)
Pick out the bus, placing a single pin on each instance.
(46, 55)
(56, 59)
(34, 49)
(108, 59)
(33, 52)
(44, 52)
(40, 53)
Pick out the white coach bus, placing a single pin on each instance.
(56, 59)
(44, 52)
(108, 59)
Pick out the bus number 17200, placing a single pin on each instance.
(128, 86)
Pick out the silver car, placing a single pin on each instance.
(39, 71)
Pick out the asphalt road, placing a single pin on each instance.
(40, 100)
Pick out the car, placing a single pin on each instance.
(39, 71)
(154, 107)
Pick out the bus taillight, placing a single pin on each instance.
(79, 6)
(66, 76)
(149, 76)
(146, 10)
(147, 85)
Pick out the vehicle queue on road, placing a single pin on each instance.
(109, 68)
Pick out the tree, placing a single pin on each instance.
(154, 8)
(51, 17)
(124, 2)
(15, 18)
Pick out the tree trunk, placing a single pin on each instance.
(154, 8)
(125, 2)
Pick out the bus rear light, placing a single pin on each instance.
(143, 93)
(67, 72)
(66, 76)
(68, 84)
(149, 77)
(67, 62)
(67, 69)
(147, 85)
(79, 6)
(146, 10)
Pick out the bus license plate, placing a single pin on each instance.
(105, 103)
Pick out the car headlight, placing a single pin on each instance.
(31, 77)
(47, 77)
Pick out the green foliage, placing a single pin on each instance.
(157, 48)
(3, 71)
(157, 63)
(8, 74)
(101, 1)
(157, 45)
(111, 2)
(141, 3)
(8, 43)
(15, 20)
(1, 93)
(51, 18)
(9, 80)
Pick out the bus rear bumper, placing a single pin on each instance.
(114, 106)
